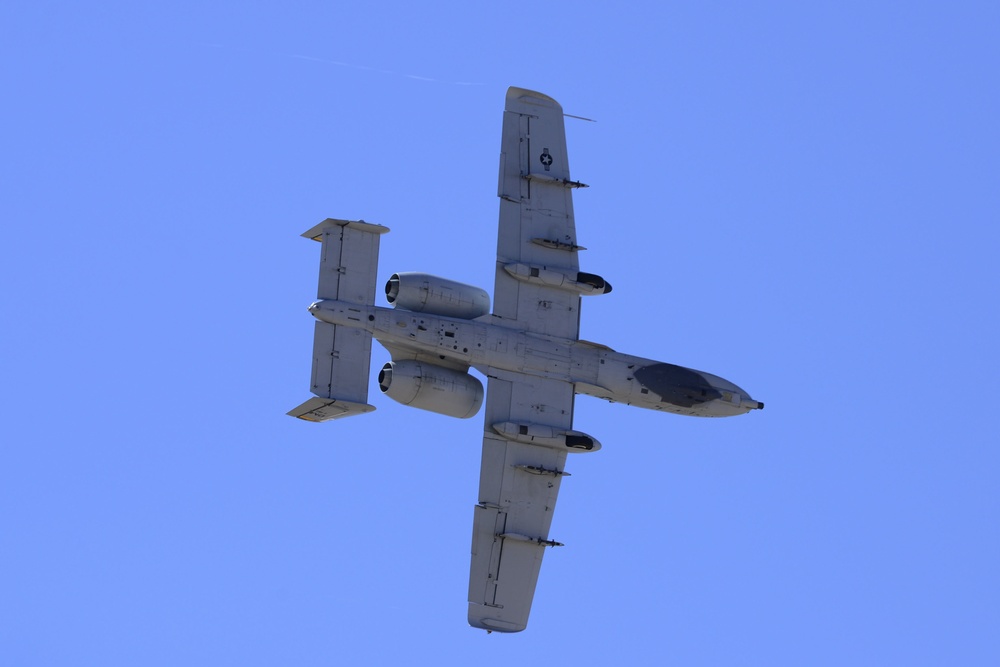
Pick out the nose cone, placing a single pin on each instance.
(735, 400)
(732, 403)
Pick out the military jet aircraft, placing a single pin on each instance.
(528, 348)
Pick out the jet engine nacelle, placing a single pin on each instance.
(424, 293)
(429, 387)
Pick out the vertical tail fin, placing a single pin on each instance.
(342, 355)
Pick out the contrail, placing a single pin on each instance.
(340, 63)
(381, 71)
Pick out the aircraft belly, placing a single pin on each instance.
(594, 370)
(614, 374)
(472, 343)
(545, 358)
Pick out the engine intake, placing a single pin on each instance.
(424, 293)
(433, 388)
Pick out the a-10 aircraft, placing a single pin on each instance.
(528, 348)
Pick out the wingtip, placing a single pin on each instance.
(525, 96)
(493, 625)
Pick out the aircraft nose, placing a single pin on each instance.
(734, 397)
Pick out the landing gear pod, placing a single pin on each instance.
(549, 436)
(585, 284)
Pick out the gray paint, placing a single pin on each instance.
(528, 348)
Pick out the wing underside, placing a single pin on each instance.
(533, 292)
(518, 485)
(537, 232)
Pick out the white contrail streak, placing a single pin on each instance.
(381, 71)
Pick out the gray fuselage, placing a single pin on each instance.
(594, 369)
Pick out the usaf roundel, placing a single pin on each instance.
(545, 159)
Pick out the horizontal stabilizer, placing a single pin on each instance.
(325, 409)
(341, 356)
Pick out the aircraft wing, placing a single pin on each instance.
(537, 289)
(518, 484)
(537, 235)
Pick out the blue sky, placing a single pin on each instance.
(802, 199)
